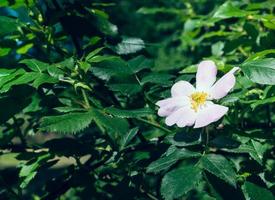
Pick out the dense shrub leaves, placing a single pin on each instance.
(94, 70)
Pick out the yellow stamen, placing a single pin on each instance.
(198, 99)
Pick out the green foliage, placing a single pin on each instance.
(79, 82)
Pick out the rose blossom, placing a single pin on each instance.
(189, 105)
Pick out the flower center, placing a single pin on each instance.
(198, 99)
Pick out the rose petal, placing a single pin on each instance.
(211, 113)
(182, 88)
(206, 75)
(169, 105)
(224, 85)
(188, 118)
(174, 117)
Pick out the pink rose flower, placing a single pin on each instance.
(189, 105)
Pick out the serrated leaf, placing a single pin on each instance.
(110, 123)
(113, 67)
(67, 123)
(220, 167)
(141, 112)
(170, 159)
(129, 45)
(260, 71)
(254, 192)
(178, 182)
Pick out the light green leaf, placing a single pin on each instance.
(229, 10)
(220, 167)
(178, 182)
(29, 171)
(129, 45)
(260, 71)
(93, 53)
(35, 65)
(42, 79)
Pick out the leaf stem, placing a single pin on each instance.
(86, 100)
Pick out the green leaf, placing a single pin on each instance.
(8, 25)
(42, 79)
(127, 138)
(142, 112)
(35, 65)
(168, 160)
(108, 68)
(110, 123)
(23, 79)
(67, 123)
(261, 102)
(24, 49)
(29, 170)
(178, 182)
(260, 71)
(93, 53)
(253, 148)
(129, 45)
(183, 139)
(220, 167)
(255, 192)
(139, 63)
(157, 78)
(125, 88)
(229, 10)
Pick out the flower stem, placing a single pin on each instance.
(206, 130)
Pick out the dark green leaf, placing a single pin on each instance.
(178, 182)
(167, 161)
(220, 167)
(254, 192)
(67, 123)
(142, 112)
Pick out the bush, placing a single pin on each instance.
(79, 83)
